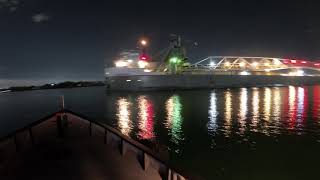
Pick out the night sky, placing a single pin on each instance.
(57, 40)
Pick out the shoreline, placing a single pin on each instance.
(62, 85)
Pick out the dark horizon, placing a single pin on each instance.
(53, 41)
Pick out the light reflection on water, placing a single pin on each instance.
(255, 109)
(228, 113)
(292, 107)
(243, 109)
(174, 118)
(123, 114)
(224, 124)
(276, 109)
(213, 113)
(231, 111)
(145, 118)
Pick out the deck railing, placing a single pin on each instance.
(146, 157)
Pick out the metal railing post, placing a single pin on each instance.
(16, 143)
(105, 135)
(90, 128)
(31, 136)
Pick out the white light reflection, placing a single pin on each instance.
(213, 113)
(300, 108)
(228, 113)
(276, 104)
(123, 114)
(145, 117)
(255, 109)
(267, 104)
(266, 110)
(292, 108)
(174, 118)
(243, 109)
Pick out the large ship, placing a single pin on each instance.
(136, 71)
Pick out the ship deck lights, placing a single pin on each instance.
(242, 64)
(142, 64)
(255, 64)
(212, 64)
(121, 63)
(174, 60)
(244, 73)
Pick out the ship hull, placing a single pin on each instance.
(204, 81)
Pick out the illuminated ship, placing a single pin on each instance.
(135, 71)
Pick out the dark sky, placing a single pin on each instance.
(55, 40)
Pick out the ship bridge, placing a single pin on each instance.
(255, 65)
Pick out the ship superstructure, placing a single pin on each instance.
(138, 71)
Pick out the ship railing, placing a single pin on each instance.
(147, 158)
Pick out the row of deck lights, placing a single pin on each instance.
(256, 64)
(243, 64)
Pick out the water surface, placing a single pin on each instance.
(241, 133)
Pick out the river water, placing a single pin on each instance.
(239, 133)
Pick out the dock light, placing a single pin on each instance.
(142, 64)
(212, 64)
(120, 63)
(242, 64)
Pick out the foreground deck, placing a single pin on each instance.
(81, 151)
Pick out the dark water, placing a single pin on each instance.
(242, 133)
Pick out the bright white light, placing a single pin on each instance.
(130, 60)
(276, 61)
(212, 64)
(128, 80)
(143, 42)
(255, 64)
(227, 63)
(267, 70)
(244, 73)
(121, 63)
(139, 80)
(300, 73)
(242, 64)
(147, 70)
(142, 64)
(267, 64)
